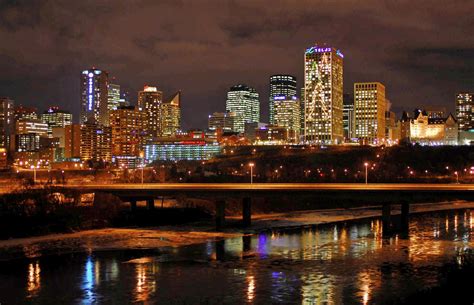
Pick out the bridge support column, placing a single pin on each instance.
(247, 211)
(404, 217)
(150, 203)
(386, 218)
(133, 205)
(220, 214)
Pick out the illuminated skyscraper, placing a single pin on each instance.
(244, 101)
(72, 141)
(171, 116)
(323, 82)
(287, 114)
(7, 121)
(280, 85)
(149, 101)
(348, 116)
(56, 118)
(465, 111)
(224, 121)
(113, 99)
(96, 142)
(369, 112)
(94, 97)
(127, 127)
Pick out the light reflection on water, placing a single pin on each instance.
(334, 264)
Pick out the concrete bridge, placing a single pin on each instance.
(220, 192)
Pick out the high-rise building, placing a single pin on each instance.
(323, 83)
(94, 97)
(149, 101)
(56, 118)
(244, 101)
(36, 126)
(224, 121)
(280, 85)
(171, 116)
(7, 121)
(96, 142)
(72, 139)
(113, 99)
(348, 117)
(127, 128)
(465, 111)
(369, 110)
(287, 114)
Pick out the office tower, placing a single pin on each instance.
(244, 101)
(28, 133)
(369, 110)
(55, 117)
(224, 121)
(72, 141)
(113, 99)
(287, 114)
(7, 121)
(348, 116)
(96, 143)
(323, 82)
(149, 101)
(127, 128)
(171, 116)
(94, 97)
(465, 111)
(280, 85)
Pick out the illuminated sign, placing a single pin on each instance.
(317, 50)
(339, 53)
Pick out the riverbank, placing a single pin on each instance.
(155, 238)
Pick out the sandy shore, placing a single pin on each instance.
(176, 236)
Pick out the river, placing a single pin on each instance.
(344, 263)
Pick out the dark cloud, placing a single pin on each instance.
(421, 50)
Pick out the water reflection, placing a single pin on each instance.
(34, 279)
(349, 263)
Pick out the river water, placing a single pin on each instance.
(345, 263)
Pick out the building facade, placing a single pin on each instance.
(96, 143)
(348, 117)
(433, 131)
(244, 101)
(224, 121)
(149, 101)
(56, 118)
(72, 141)
(171, 116)
(113, 99)
(7, 121)
(369, 112)
(127, 131)
(465, 111)
(323, 83)
(287, 114)
(94, 97)
(280, 85)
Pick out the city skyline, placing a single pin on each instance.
(157, 57)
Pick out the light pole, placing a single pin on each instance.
(366, 171)
(251, 164)
(143, 164)
(457, 177)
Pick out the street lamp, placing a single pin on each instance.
(366, 171)
(457, 177)
(251, 164)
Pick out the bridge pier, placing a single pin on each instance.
(386, 218)
(133, 205)
(150, 203)
(220, 214)
(246, 211)
(404, 217)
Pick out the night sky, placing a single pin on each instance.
(423, 51)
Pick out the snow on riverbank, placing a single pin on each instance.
(175, 236)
